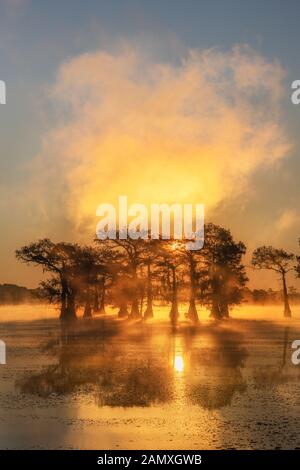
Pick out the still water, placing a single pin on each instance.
(113, 384)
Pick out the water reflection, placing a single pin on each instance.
(178, 363)
(139, 385)
(267, 377)
(195, 388)
(217, 376)
(145, 369)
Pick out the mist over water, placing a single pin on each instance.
(29, 312)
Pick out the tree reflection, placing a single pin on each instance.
(115, 377)
(217, 371)
(144, 370)
(141, 384)
(271, 376)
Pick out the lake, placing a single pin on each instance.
(113, 384)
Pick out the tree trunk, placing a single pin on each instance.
(215, 310)
(70, 311)
(63, 298)
(192, 311)
(215, 307)
(135, 311)
(102, 303)
(287, 309)
(174, 314)
(149, 309)
(224, 309)
(96, 300)
(123, 312)
(141, 304)
(87, 310)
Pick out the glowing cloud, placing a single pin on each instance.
(157, 132)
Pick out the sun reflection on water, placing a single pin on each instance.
(178, 363)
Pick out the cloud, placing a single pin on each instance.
(287, 220)
(194, 131)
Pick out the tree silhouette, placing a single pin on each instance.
(195, 269)
(110, 263)
(278, 260)
(150, 257)
(87, 269)
(171, 260)
(127, 271)
(58, 259)
(224, 268)
(132, 252)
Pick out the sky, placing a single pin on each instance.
(163, 101)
